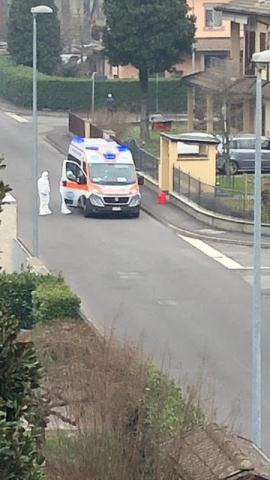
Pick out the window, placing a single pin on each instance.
(246, 144)
(213, 18)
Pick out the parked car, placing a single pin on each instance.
(242, 154)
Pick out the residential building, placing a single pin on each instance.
(212, 37)
(253, 19)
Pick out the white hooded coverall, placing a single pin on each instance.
(44, 194)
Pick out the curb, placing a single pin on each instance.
(201, 236)
(187, 233)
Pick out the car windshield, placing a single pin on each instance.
(112, 173)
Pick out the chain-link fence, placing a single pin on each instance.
(214, 198)
(144, 161)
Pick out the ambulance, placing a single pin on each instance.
(99, 176)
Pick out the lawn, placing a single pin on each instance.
(133, 131)
(241, 183)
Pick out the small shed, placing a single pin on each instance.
(211, 452)
(194, 153)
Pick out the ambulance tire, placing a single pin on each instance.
(136, 214)
(87, 211)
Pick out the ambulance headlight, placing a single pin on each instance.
(96, 201)
(135, 201)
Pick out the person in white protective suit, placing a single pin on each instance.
(64, 209)
(44, 194)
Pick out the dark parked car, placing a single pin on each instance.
(242, 154)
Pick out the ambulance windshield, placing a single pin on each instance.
(112, 173)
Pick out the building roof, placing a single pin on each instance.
(193, 137)
(211, 452)
(218, 80)
(214, 80)
(214, 44)
(246, 7)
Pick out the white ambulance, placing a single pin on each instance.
(99, 176)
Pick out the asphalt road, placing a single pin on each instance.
(151, 286)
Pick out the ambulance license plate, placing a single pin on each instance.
(116, 209)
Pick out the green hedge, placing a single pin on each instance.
(59, 93)
(18, 295)
(53, 301)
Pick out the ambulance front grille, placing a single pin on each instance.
(116, 200)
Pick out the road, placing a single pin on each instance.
(150, 285)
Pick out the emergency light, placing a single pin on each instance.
(109, 156)
(122, 148)
(78, 139)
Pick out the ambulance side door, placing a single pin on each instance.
(73, 183)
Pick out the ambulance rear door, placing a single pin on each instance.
(73, 182)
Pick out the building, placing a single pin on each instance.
(212, 452)
(212, 37)
(234, 81)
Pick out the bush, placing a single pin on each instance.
(16, 295)
(58, 93)
(20, 374)
(54, 300)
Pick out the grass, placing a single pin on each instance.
(152, 146)
(240, 183)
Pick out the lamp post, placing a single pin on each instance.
(93, 92)
(35, 11)
(260, 61)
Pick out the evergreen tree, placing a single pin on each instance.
(20, 35)
(20, 457)
(152, 35)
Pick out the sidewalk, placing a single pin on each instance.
(169, 215)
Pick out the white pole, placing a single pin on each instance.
(157, 78)
(35, 135)
(93, 92)
(36, 10)
(256, 311)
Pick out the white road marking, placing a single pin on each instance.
(17, 117)
(209, 231)
(213, 253)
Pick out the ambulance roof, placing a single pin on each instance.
(99, 150)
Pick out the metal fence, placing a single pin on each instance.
(144, 161)
(215, 198)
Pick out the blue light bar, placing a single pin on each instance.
(109, 156)
(110, 140)
(92, 148)
(78, 139)
(122, 148)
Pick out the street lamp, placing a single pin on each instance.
(93, 92)
(260, 60)
(35, 11)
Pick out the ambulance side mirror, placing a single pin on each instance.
(81, 180)
(140, 180)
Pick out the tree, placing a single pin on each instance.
(20, 36)
(152, 35)
(20, 457)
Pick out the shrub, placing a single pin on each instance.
(54, 300)
(20, 375)
(75, 93)
(16, 295)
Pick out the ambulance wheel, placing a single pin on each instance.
(136, 214)
(86, 205)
